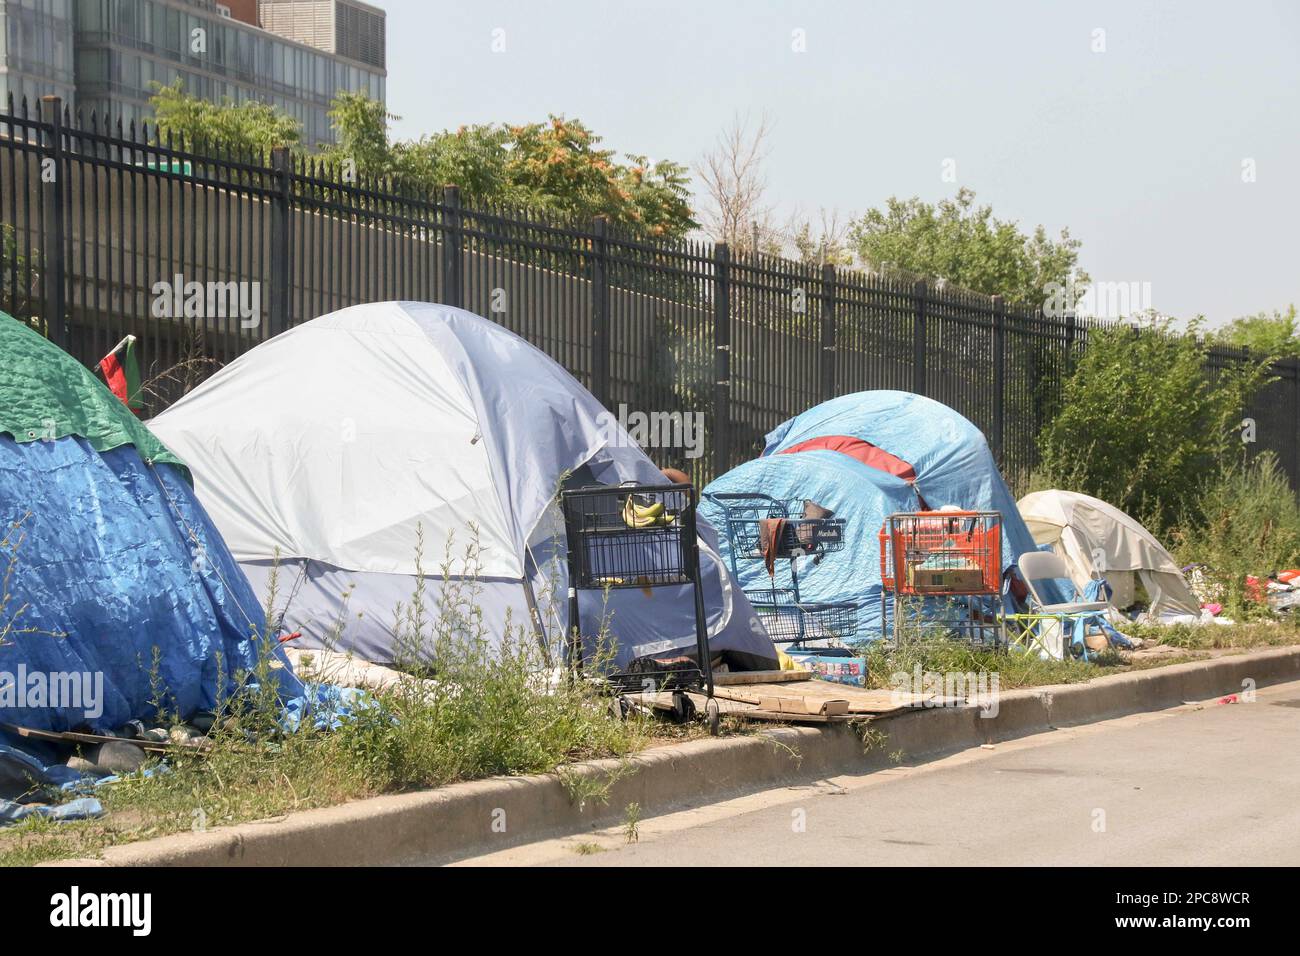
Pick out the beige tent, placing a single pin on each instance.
(1099, 540)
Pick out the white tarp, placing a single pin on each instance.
(329, 446)
(332, 439)
(1098, 540)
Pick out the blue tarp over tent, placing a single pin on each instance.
(120, 589)
(898, 452)
(112, 559)
(949, 455)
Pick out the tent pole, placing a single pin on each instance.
(538, 630)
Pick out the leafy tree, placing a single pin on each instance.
(557, 167)
(825, 243)
(361, 125)
(472, 157)
(1142, 422)
(963, 243)
(1264, 334)
(249, 126)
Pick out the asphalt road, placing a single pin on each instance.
(1211, 784)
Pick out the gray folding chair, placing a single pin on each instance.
(1026, 629)
(1037, 566)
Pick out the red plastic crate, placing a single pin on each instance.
(942, 552)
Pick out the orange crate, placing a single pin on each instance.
(942, 552)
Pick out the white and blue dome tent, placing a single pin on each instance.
(330, 451)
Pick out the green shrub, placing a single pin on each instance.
(1142, 422)
(1245, 521)
(472, 703)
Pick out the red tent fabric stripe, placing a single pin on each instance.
(863, 451)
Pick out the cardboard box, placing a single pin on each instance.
(802, 705)
(945, 580)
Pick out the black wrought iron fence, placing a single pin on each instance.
(202, 253)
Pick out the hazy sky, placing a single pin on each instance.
(1138, 149)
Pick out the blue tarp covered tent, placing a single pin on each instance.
(895, 452)
(121, 591)
(948, 456)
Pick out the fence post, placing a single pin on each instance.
(281, 274)
(453, 258)
(721, 358)
(600, 343)
(828, 333)
(919, 294)
(1069, 340)
(999, 378)
(1295, 423)
(55, 253)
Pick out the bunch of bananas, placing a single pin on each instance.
(637, 515)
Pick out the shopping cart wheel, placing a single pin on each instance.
(714, 714)
(621, 707)
(683, 707)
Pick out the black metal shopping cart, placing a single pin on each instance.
(760, 527)
(639, 536)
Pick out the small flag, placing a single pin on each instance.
(122, 373)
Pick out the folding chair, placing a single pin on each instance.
(1027, 630)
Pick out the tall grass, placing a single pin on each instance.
(468, 703)
(1247, 522)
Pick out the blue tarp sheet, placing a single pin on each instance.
(861, 495)
(123, 583)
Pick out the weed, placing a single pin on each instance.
(1247, 523)
(585, 786)
(632, 823)
(10, 544)
(871, 737)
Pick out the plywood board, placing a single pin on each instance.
(736, 678)
(861, 701)
(744, 701)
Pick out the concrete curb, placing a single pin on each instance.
(485, 815)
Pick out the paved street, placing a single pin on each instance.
(1201, 784)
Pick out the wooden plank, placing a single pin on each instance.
(72, 737)
(743, 701)
(861, 701)
(788, 718)
(735, 678)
